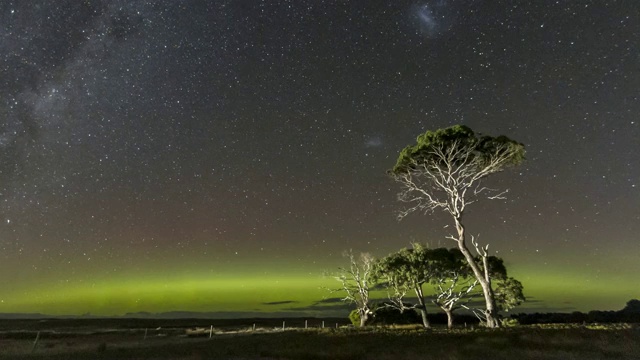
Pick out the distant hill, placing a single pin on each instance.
(163, 315)
(212, 315)
(34, 316)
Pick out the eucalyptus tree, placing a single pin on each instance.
(457, 286)
(454, 284)
(355, 282)
(508, 291)
(408, 270)
(445, 170)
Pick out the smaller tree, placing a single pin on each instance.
(355, 281)
(409, 270)
(508, 291)
(633, 306)
(631, 312)
(354, 317)
(454, 288)
(455, 283)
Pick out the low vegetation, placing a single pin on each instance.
(621, 341)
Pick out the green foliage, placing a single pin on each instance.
(458, 139)
(509, 322)
(411, 268)
(438, 173)
(454, 262)
(509, 293)
(354, 317)
(497, 269)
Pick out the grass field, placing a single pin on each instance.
(89, 341)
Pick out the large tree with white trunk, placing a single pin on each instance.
(445, 170)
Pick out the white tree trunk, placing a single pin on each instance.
(491, 313)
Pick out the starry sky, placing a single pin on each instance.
(210, 155)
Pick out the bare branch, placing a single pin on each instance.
(355, 281)
(444, 170)
(482, 251)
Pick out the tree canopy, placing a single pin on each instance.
(444, 170)
(408, 270)
(459, 142)
(633, 306)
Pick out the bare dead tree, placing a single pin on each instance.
(355, 282)
(444, 171)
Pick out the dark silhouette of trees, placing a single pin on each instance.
(629, 314)
(633, 306)
(386, 315)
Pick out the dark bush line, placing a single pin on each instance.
(605, 317)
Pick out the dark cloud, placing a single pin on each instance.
(284, 302)
(334, 310)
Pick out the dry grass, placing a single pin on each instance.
(405, 342)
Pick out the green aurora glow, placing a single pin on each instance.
(219, 156)
(562, 290)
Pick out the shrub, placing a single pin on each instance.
(354, 316)
(509, 322)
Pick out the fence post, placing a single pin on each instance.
(211, 332)
(323, 324)
(35, 343)
(305, 324)
(282, 325)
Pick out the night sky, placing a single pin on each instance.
(221, 155)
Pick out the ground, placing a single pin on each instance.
(90, 341)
